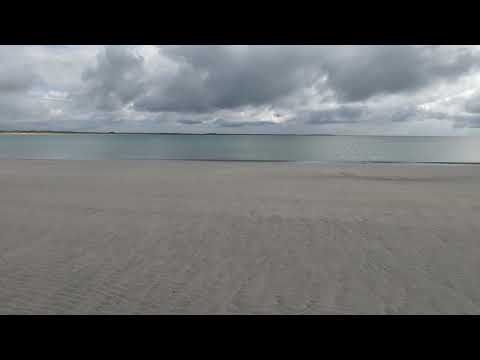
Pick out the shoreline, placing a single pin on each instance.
(141, 133)
(298, 162)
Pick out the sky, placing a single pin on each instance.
(377, 90)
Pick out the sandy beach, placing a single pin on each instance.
(182, 237)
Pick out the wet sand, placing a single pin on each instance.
(180, 237)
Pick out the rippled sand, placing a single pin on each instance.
(166, 237)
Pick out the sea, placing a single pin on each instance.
(295, 148)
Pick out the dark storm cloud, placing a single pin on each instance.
(358, 73)
(115, 80)
(225, 77)
(340, 115)
(209, 78)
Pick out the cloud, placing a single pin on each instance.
(473, 104)
(217, 77)
(339, 115)
(14, 79)
(214, 77)
(20, 108)
(16, 73)
(467, 121)
(357, 73)
(115, 80)
(190, 121)
(257, 88)
(17, 80)
(404, 114)
(238, 123)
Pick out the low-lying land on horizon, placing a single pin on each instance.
(171, 237)
(34, 132)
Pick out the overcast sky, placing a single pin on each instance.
(397, 90)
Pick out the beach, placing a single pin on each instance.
(201, 237)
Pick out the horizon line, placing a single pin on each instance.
(208, 133)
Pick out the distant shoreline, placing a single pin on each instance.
(34, 132)
(47, 132)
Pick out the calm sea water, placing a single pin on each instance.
(242, 147)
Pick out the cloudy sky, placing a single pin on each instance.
(397, 90)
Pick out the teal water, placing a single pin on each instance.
(242, 147)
